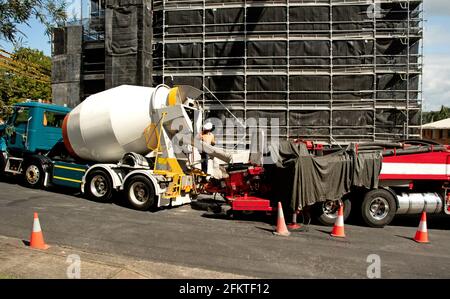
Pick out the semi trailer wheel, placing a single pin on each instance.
(140, 193)
(378, 208)
(33, 174)
(98, 186)
(326, 212)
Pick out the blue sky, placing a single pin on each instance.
(436, 79)
(34, 37)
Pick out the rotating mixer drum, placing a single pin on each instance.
(111, 123)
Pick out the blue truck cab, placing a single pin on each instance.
(33, 127)
(26, 139)
(32, 150)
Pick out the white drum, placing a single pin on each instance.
(111, 123)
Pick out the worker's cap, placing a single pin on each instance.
(208, 126)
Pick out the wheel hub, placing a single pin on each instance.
(140, 192)
(32, 174)
(379, 208)
(98, 186)
(330, 208)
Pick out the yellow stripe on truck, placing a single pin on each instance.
(70, 168)
(66, 179)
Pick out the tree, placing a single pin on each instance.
(15, 12)
(429, 117)
(26, 76)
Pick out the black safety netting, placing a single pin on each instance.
(322, 85)
(66, 65)
(128, 47)
(308, 18)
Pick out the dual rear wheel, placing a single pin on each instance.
(99, 186)
(139, 189)
(376, 209)
(140, 193)
(326, 212)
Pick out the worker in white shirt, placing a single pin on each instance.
(207, 137)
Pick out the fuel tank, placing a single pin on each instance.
(111, 123)
(416, 203)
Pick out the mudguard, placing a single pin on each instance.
(114, 172)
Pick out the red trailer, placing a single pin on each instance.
(414, 178)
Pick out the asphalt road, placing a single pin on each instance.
(195, 238)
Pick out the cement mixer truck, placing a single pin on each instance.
(138, 140)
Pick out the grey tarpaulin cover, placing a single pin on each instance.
(316, 179)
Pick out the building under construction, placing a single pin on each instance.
(327, 70)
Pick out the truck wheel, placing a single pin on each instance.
(378, 208)
(140, 192)
(33, 175)
(98, 186)
(326, 212)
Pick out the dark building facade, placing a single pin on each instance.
(327, 70)
(112, 47)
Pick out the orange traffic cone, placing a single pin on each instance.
(281, 224)
(37, 238)
(422, 232)
(338, 229)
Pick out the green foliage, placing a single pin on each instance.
(18, 87)
(429, 117)
(15, 12)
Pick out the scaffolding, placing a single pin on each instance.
(110, 45)
(328, 70)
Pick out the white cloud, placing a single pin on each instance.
(436, 38)
(436, 82)
(74, 9)
(437, 7)
(436, 79)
